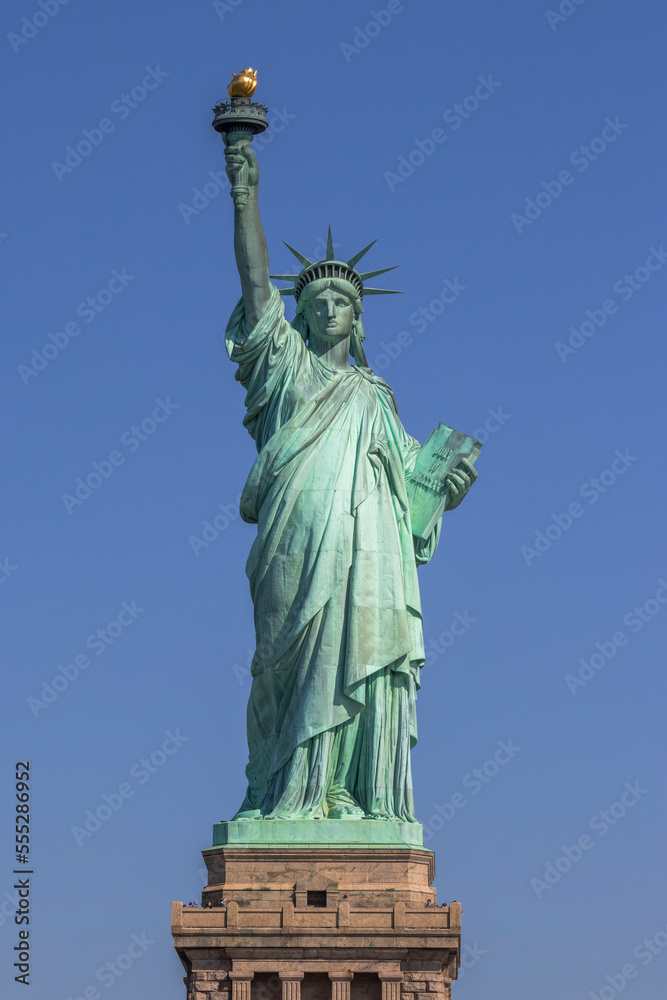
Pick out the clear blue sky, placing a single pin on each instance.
(567, 128)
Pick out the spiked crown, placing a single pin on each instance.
(332, 268)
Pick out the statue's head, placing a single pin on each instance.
(330, 309)
(328, 295)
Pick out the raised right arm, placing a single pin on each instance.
(252, 257)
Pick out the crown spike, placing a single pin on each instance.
(373, 274)
(357, 257)
(330, 267)
(330, 250)
(299, 256)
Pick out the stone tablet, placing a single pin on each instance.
(427, 486)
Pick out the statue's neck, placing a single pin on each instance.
(333, 355)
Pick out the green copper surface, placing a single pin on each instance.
(317, 833)
(333, 577)
(333, 569)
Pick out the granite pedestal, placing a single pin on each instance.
(312, 919)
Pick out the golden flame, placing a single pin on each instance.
(243, 84)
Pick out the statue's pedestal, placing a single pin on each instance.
(318, 833)
(318, 923)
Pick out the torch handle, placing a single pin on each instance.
(240, 190)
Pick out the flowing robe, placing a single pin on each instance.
(333, 578)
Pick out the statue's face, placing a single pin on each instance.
(330, 315)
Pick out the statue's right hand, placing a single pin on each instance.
(238, 155)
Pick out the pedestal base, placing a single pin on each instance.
(318, 923)
(318, 833)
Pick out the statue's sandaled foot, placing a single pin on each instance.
(247, 814)
(341, 805)
(346, 812)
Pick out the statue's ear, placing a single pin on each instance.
(300, 323)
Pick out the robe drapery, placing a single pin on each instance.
(333, 578)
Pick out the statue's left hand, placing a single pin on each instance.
(459, 482)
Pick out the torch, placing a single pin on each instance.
(240, 119)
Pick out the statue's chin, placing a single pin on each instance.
(334, 336)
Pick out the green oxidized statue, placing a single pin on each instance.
(333, 570)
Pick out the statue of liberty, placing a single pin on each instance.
(333, 569)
